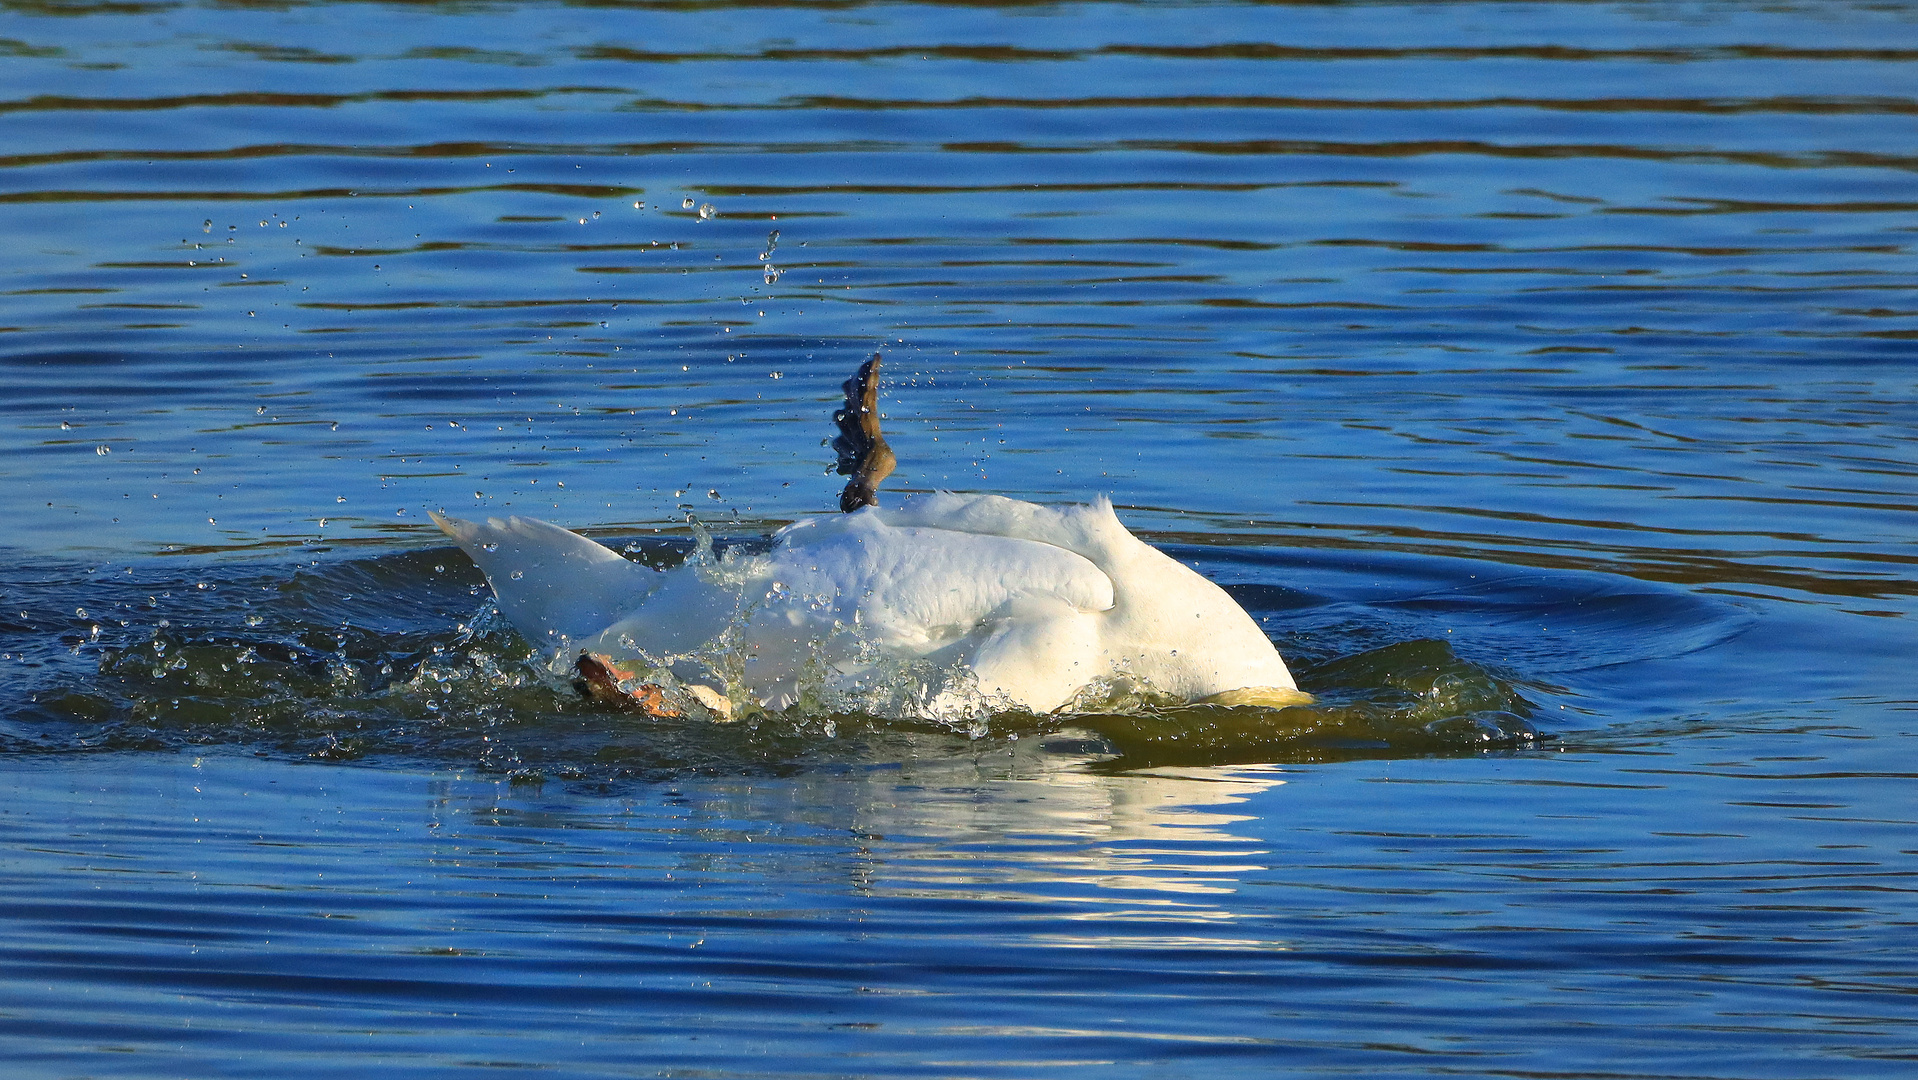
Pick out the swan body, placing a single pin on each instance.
(1033, 603)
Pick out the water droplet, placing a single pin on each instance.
(706, 211)
(64, 426)
(81, 612)
(517, 574)
(686, 203)
(712, 493)
(489, 547)
(772, 274)
(103, 450)
(340, 499)
(254, 620)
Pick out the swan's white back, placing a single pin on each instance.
(1034, 602)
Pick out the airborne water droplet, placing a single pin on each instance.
(489, 547)
(517, 574)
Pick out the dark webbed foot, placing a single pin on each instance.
(863, 453)
(599, 680)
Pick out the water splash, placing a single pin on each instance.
(405, 656)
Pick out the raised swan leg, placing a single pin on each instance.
(863, 453)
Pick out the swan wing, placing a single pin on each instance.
(551, 583)
(837, 589)
(1167, 624)
(917, 586)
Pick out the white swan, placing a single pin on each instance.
(1032, 604)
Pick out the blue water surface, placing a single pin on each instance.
(1538, 375)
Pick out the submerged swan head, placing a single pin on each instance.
(1008, 604)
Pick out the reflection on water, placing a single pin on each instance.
(1041, 826)
(1537, 376)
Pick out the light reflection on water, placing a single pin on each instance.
(1161, 834)
(1544, 362)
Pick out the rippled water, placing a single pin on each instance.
(1538, 375)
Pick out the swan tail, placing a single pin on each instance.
(552, 584)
